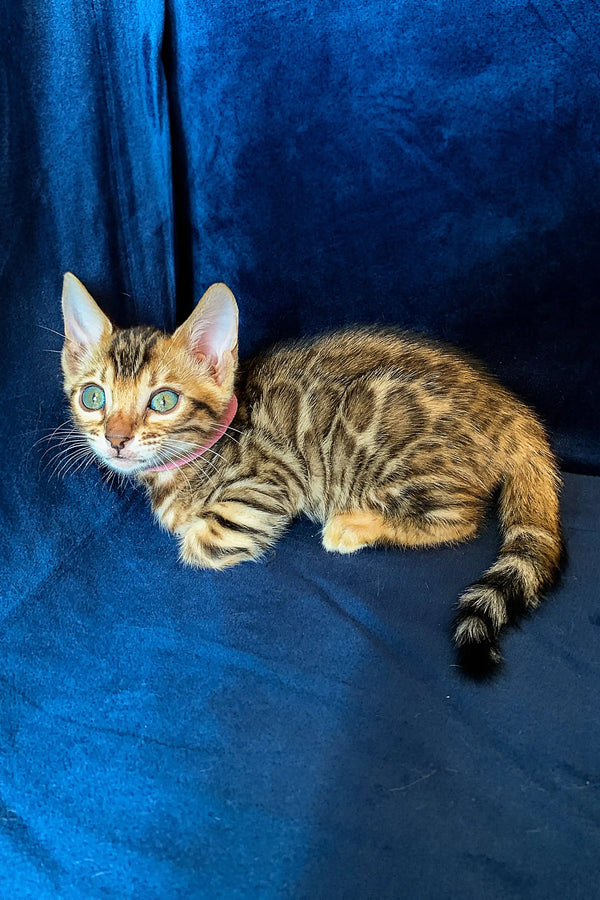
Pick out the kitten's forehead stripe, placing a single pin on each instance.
(130, 350)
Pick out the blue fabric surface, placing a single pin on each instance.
(296, 728)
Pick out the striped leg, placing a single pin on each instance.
(231, 531)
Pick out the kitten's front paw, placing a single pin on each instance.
(200, 547)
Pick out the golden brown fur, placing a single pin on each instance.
(382, 437)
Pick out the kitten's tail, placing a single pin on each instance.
(530, 559)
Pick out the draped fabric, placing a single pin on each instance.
(294, 728)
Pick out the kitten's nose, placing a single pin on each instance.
(119, 430)
(118, 441)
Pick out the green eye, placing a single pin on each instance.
(164, 401)
(92, 397)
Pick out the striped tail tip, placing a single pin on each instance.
(477, 645)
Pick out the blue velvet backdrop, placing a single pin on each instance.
(294, 729)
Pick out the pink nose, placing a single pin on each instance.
(118, 441)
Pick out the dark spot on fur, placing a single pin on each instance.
(417, 500)
(343, 445)
(282, 405)
(358, 406)
(322, 404)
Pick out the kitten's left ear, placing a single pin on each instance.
(211, 332)
(85, 323)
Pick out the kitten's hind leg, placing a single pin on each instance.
(347, 532)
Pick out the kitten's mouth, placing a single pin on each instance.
(122, 464)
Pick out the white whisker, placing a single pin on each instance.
(216, 453)
(61, 452)
(229, 427)
(170, 456)
(202, 459)
(186, 446)
(59, 333)
(66, 425)
(203, 472)
(73, 465)
(65, 465)
(67, 447)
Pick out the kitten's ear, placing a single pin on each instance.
(85, 323)
(211, 332)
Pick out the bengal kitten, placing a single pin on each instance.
(381, 436)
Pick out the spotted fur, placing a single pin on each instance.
(381, 436)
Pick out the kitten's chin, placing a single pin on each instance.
(126, 466)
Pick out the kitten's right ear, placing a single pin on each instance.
(85, 323)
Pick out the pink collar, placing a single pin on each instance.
(220, 430)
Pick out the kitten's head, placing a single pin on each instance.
(143, 398)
